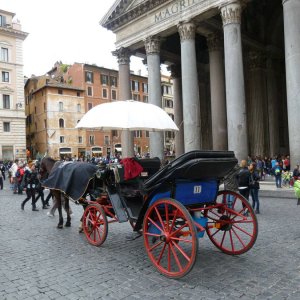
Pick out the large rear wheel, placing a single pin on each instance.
(232, 225)
(170, 238)
(94, 224)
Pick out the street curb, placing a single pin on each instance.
(277, 194)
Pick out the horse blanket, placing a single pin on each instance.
(71, 178)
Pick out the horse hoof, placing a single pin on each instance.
(68, 225)
(60, 226)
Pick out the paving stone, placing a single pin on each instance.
(38, 261)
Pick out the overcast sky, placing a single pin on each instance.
(67, 31)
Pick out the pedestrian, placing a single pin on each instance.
(19, 175)
(287, 163)
(231, 183)
(254, 187)
(243, 178)
(277, 171)
(296, 172)
(40, 193)
(31, 181)
(50, 195)
(1, 181)
(297, 190)
(2, 169)
(13, 179)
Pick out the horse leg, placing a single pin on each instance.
(61, 220)
(67, 207)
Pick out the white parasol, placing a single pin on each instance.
(127, 115)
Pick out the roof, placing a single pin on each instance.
(123, 11)
(52, 83)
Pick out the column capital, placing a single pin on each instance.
(231, 13)
(214, 42)
(175, 71)
(123, 55)
(256, 60)
(187, 30)
(152, 45)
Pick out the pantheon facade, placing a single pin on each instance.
(235, 66)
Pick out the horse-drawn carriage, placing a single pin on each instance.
(171, 207)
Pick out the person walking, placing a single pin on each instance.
(1, 181)
(231, 183)
(40, 193)
(20, 175)
(243, 178)
(277, 171)
(31, 181)
(13, 180)
(254, 187)
(2, 169)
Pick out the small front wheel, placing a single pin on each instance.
(170, 238)
(94, 224)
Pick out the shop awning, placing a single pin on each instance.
(65, 151)
(97, 150)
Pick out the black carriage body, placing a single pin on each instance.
(192, 179)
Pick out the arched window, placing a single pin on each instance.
(61, 123)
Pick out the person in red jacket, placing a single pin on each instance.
(19, 175)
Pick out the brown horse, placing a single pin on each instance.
(47, 166)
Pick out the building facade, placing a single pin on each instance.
(12, 108)
(102, 85)
(53, 109)
(234, 64)
(57, 101)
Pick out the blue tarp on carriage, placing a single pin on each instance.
(72, 178)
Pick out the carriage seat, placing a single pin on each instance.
(194, 165)
(150, 166)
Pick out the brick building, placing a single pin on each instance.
(56, 102)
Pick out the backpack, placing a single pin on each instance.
(18, 173)
(277, 171)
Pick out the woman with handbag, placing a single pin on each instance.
(254, 187)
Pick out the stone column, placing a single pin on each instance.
(217, 93)
(152, 45)
(205, 110)
(257, 107)
(235, 90)
(190, 88)
(291, 15)
(178, 113)
(273, 107)
(123, 56)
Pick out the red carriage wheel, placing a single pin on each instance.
(232, 226)
(170, 238)
(94, 224)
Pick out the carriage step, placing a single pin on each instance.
(118, 207)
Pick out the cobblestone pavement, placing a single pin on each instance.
(39, 261)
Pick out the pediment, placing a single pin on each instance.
(6, 89)
(124, 11)
(134, 4)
